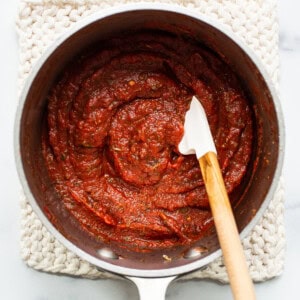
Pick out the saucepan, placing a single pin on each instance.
(146, 270)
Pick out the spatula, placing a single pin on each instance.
(198, 139)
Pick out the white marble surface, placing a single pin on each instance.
(19, 282)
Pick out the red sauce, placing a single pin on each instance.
(115, 119)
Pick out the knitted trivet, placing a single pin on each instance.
(255, 22)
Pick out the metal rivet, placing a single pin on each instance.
(107, 253)
(194, 252)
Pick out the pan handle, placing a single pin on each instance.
(152, 288)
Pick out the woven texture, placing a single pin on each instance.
(255, 22)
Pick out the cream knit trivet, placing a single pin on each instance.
(255, 22)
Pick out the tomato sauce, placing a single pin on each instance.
(115, 118)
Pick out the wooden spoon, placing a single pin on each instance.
(198, 139)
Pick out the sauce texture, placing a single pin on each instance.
(115, 118)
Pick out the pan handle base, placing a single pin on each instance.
(152, 288)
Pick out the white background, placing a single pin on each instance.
(20, 282)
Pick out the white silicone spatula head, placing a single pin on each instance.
(197, 136)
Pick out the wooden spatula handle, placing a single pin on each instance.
(234, 258)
